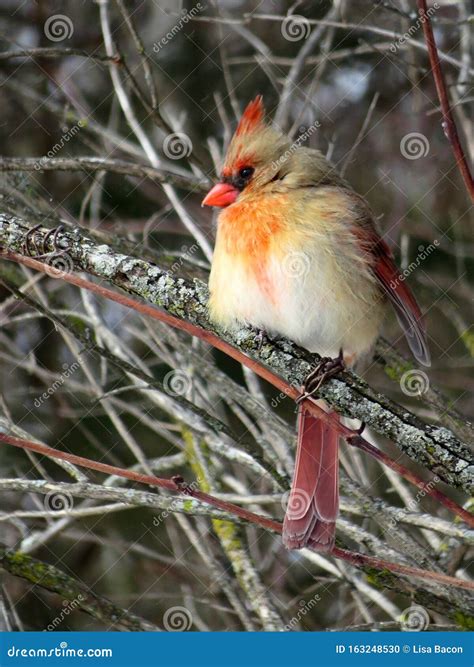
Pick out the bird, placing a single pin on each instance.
(298, 254)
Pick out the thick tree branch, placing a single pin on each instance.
(434, 447)
(395, 366)
(352, 437)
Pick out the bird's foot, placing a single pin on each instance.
(260, 338)
(325, 369)
(361, 428)
(40, 251)
(30, 239)
(356, 439)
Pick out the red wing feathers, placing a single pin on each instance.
(399, 294)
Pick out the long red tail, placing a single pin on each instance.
(313, 505)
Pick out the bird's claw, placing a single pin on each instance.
(361, 428)
(41, 251)
(325, 369)
(259, 338)
(30, 237)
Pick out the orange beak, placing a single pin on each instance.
(222, 194)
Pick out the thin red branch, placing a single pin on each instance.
(178, 485)
(410, 476)
(352, 437)
(448, 123)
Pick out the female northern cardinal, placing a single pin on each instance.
(298, 254)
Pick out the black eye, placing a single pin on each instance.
(246, 172)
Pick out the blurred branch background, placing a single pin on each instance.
(115, 117)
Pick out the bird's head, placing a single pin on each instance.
(256, 159)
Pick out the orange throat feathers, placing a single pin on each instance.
(250, 234)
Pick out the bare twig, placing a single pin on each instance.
(360, 135)
(141, 135)
(448, 123)
(94, 164)
(177, 484)
(346, 25)
(42, 52)
(281, 115)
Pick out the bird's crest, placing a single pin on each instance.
(255, 143)
(253, 117)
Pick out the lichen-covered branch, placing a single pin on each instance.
(395, 366)
(75, 592)
(132, 497)
(434, 447)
